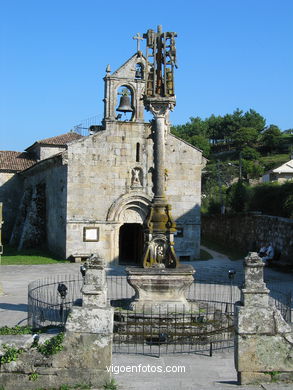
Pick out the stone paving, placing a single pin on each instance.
(201, 372)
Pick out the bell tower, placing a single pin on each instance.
(124, 89)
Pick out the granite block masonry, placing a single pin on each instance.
(86, 349)
(264, 341)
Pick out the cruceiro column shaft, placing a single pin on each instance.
(159, 157)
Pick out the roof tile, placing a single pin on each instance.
(15, 161)
(62, 139)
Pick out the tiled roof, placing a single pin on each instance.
(15, 161)
(60, 140)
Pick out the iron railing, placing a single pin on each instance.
(46, 307)
(204, 327)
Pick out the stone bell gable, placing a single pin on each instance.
(131, 76)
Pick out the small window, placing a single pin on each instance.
(137, 159)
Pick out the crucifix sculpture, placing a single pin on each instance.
(159, 98)
(138, 39)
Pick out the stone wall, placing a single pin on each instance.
(104, 171)
(247, 231)
(41, 215)
(10, 195)
(102, 182)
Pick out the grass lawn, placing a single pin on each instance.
(232, 252)
(11, 256)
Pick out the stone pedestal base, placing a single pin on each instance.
(160, 289)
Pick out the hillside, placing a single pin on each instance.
(240, 148)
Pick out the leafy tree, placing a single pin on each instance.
(195, 126)
(232, 123)
(202, 143)
(237, 196)
(271, 138)
(216, 128)
(249, 153)
(244, 136)
(252, 169)
(252, 119)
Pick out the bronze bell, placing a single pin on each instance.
(125, 104)
(138, 74)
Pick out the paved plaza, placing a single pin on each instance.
(201, 372)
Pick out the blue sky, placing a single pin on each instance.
(231, 53)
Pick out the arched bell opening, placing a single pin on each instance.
(131, 241)
(125, 109)
(139, 71)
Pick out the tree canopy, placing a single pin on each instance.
(237, 131)
(240, 147)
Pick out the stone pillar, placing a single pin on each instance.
(159, 156)
(160, 227)
(89, 331)
(263, 341)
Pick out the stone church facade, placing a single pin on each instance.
(88, 194)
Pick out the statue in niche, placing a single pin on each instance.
(160, 253)
(136, 177)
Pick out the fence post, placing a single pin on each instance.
(260, 332)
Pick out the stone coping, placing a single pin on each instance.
(182, 269)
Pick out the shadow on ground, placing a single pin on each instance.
(16, 307)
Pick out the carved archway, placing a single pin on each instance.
(128, 214)
(127, 206)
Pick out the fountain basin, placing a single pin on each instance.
(160, 289)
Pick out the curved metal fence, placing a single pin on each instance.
(205, 327)
(46, 306)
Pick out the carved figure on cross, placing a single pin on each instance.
(138, 39)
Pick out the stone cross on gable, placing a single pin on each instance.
(138, 39)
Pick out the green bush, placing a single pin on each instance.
(52, 346)
(4, 330)
(273, 199)
(10, 355)
(237, 197)
(214, 207)
(249, 153)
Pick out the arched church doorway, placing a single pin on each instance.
(131, 244)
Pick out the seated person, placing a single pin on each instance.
(263, 250)
(269, 254)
